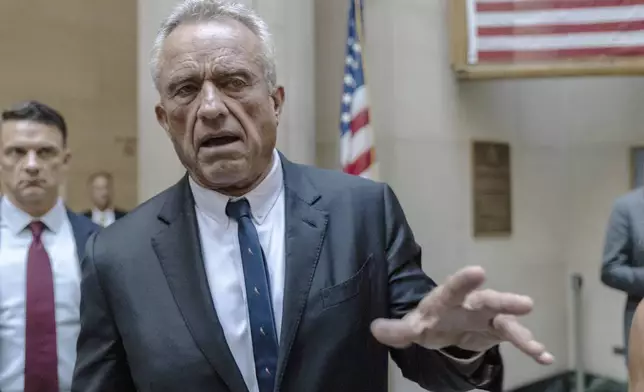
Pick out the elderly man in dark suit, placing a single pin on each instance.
(256, 274)
(623, 260)
(41, 245)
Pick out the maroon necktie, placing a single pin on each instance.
(41, 357)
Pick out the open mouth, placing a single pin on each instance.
(218, 141)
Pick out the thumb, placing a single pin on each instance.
(392, 332)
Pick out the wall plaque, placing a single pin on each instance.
(492, 189)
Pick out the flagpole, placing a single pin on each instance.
(357, 5)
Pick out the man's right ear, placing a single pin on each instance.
(162, 117)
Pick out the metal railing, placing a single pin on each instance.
(577, 283)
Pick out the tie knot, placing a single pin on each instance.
(238, 209)
(36, 228)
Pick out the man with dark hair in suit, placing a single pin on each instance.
(256, 274)
(41, 244)
(101, 191)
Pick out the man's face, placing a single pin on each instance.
(101, 191)
(215, 104)
(33, 161)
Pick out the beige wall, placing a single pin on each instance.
(79, 57)
(570, 141)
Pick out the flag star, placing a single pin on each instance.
(348, 80)
(346, 98)
(349, 60)
(346, 118)
(356, 47)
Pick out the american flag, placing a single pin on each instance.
(543, 30)
(357, 150)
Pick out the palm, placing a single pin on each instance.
(458, 314)
(447, 330)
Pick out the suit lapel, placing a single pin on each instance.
(304, 234)
(179, 251)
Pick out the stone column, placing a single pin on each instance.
(293, 27)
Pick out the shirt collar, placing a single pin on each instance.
(17, 220)
(96, 211)
(261, 199)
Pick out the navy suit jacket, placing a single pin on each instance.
(118, 213)
(148, 321)
(83, 228)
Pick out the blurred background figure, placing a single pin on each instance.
(101, 193)
(624, 253)
(40, 249)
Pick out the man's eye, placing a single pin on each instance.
(236, 83)
(46, 152)
(16, 152)
(185, 90)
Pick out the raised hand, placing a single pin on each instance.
(457, 313)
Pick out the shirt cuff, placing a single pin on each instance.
(463, 361)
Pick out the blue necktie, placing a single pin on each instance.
(258, 295)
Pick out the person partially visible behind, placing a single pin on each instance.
(41, 243)
(636, 353)
(623, 259)
(101, 191)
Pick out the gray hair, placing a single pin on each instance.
(190, 11)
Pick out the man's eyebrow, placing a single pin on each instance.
(230, 70)
(235, 73)
(179, 79)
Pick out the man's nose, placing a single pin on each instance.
(212, 105)
(32, 165)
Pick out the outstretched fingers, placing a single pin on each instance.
(494, 302)
(509, 329)
(454, 291)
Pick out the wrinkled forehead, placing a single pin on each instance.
(101, 182)
(30, 134)
(225, 43)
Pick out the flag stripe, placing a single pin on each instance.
(354, 144)
(547, 29)
(542, 30)
(507, 6)
(359, 121)
(577, 16)
(541, 55)
(360, 164)
(563, 41)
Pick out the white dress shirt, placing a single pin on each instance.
(15, 239)
(223, 262)
(103, 218)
